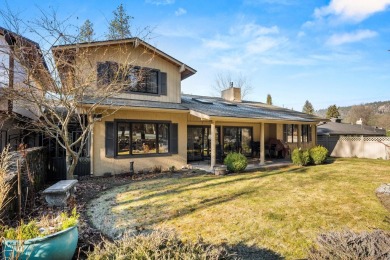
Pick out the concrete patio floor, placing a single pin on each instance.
(253, 164)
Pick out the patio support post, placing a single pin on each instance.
(299, 135)
(262, 145)
(213, 146)
(314, 135)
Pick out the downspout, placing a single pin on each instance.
(91, 148)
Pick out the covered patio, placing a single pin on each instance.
(216, 127)
(253, 164)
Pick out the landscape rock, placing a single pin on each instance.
(383, 194)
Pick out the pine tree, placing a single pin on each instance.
(332, 112)
(269, 99)
(86, 32)
(119, 27)
(308, 108)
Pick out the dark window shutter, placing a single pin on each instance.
(102, 77)
(109, 139)
(173, 139)
(163, 85)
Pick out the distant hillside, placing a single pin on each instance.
(381, 116)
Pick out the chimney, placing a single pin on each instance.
(232, 93)
(335, 120)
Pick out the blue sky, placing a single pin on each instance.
(327, 52)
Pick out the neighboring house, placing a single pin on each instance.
(157, 125)
(328, 133)
(13, 75)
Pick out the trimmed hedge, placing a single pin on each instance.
(300, 157)
(236, 162)
(316, 155)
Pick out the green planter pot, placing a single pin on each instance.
(59, 246)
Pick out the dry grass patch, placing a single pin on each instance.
(281, 210)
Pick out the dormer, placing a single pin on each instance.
(146, 72)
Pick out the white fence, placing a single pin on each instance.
(374, 147)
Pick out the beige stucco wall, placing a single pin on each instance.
(87, 59)
(101, 164)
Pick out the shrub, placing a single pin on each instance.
(236, 162)
(318, 154)
(300, 157)
(157, 245)
(350, 245)
(157, 169)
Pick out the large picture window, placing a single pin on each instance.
(134, 79)
(136, 138)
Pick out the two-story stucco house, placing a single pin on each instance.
(157, 125)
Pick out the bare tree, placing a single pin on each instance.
(223, 80)
(57, 91)
(366, 113)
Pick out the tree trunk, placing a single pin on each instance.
(70, 165)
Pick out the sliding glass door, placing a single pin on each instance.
(199, 142)
(237, 139)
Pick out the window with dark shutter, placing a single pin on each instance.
(163, 84)
(174, 144)
(109, 142)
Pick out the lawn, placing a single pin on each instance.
(281, 210)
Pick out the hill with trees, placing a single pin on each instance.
(375, 113)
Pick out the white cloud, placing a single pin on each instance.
(160, 2)
(352, 10)
(180, 11)
(339, 39)
(262, 44)
(280, 2)
(215, 44)
(301, 34)
(252, 29)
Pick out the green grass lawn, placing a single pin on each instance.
(281, 210)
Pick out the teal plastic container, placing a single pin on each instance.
(58, 246)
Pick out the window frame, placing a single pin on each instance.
(294, 129)
(107, 77)
(306, 133)
(130, 124)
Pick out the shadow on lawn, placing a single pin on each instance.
(187, 186)
(251, 252)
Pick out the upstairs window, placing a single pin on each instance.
(134, 79)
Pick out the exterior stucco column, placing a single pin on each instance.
(262, 145)
(213, 146)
